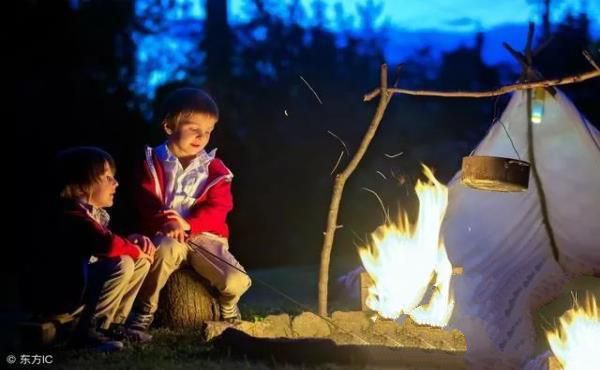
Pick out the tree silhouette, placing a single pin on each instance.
(282, 81)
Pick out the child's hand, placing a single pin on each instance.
(149, 257)
(144, 244)
(174, 230)
(173, 215)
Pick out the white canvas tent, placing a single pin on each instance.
(500, 239)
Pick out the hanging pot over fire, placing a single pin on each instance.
(495, 173)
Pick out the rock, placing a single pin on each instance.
(309, 325)
(385, 327)
(213, 329)
(353, 321)
(275, 326)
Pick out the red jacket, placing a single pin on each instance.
(81, 235)
(209, 212)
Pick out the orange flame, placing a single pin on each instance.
(403, 259)
(576, 341)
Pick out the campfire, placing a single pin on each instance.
(403, 259)
(575, 341)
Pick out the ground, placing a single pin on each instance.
(185, 350)
(169, 350)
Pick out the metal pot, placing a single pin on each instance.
(495, 173)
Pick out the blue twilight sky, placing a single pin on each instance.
(449, 15)
(414, 15)
(408, 26)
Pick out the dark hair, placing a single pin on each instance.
(185, 101)
(78, 168)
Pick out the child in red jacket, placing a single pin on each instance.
(112, 267)
(183, 198)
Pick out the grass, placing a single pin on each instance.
(184, 349)
(298, 283)
(170, 349)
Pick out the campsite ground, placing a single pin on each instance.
(184, 349)
(169, 350)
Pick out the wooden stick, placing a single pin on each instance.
(482, 94)
(543, 45)
(528, 55)
(338, 188)
(528, 73)
(590, 59)
(458, 270)
(520, 58)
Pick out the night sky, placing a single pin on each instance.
(408, 26)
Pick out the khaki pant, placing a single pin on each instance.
(170, 255)
(113, 284)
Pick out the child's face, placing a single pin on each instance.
(103, 191)
(191, 136)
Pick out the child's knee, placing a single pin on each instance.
(120, 269)
(142, 265)
(124, 266)
(169, 251)
(236, 283)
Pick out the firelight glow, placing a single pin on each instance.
(402, 260)
(575, 341)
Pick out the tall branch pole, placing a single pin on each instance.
(338, 188)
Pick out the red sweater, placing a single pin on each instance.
(81, 235)
(209, 212)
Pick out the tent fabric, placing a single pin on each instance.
(500, 239)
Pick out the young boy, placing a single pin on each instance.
(183, 198)
(112, 267)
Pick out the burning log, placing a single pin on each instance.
(365, 282)
(553, 364)
(405, 259)
(186, 301)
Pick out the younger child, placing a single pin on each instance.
(113, 267)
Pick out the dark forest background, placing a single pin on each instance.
(74, 68)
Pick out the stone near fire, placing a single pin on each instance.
(348, 328)
(274, 326)
(385, 327)
(213, 329)
(309, 325)
(321, 351)
(353, 321)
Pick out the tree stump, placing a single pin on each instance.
(186, 301)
